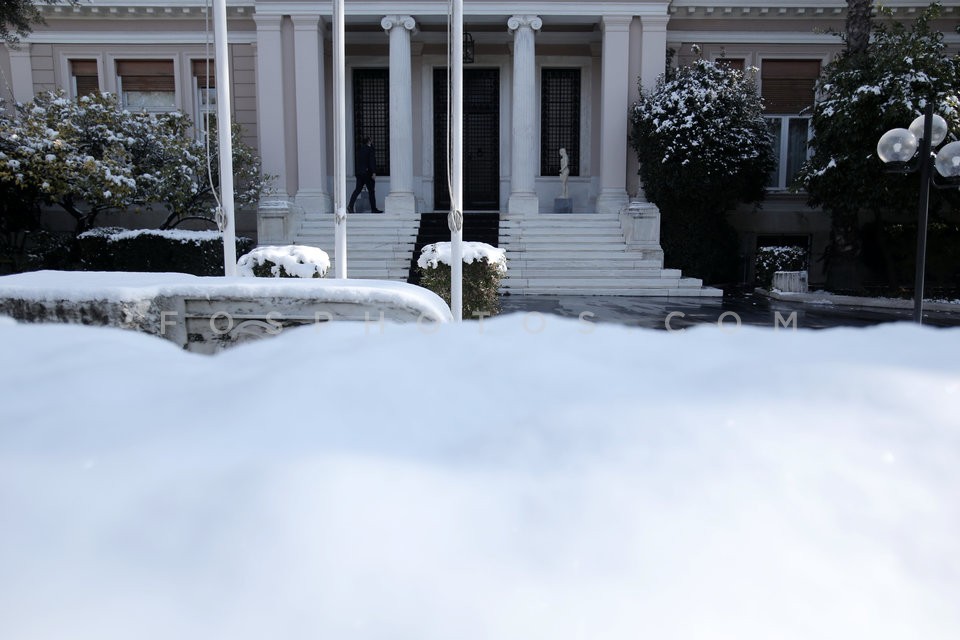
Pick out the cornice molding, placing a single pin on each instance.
(135, 37)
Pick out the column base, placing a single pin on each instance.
(524, 203)
(400, 203)
(274, 222)
(640, 222)
(612, 201)
(314, 201)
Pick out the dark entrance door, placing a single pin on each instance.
(481, 140)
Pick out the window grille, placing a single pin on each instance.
(559, 120)
(371, 113)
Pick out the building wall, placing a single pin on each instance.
(572, 36)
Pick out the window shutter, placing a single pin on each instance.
(201, 72)
(787, 86)
(85, 75)
(146, 75)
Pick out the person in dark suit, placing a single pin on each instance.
(365, 166)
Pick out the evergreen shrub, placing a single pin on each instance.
(196, 252)
(483, 269)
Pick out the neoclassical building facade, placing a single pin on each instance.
(541, 75)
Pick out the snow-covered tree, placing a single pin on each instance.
(89, 156)
(703, 146)
(861, 97)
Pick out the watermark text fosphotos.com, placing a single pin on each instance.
(222, 323)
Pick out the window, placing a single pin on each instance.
(371, 113)
(559, 120)
(85, 77)
(205, 95)
(147, 84)
(787, 87)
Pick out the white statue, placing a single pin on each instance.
(564, 172)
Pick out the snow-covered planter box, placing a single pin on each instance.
(153, 250)
(483, 268)
(772, 259)
(288, 261)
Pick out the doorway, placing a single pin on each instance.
(481, 140)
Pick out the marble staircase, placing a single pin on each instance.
(585, 254)
(379, 246)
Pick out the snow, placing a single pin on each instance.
(297, 260)
(525, 477)
(116, 234)
(113, 286)
(438, 252)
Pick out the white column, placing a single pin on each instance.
(523, 144)
(614, 103)
(633, 180)
(270, 108)
(311, 117)
(401, 198)
(22, 73)
(653, 56)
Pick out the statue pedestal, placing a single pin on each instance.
(563, 205)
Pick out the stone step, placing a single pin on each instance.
(560, 249)
(706, 292)
(576, 224)
(618, 261)
(595, 272)
(588, 282)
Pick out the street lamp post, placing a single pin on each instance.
(897, 148)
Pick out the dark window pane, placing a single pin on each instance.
(371, 113)
(559, 120)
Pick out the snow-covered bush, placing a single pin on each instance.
(88, 156)
(701, 139)
(703, 146)
(769, 260)
(483, 269)
(289, 261)
(154, 250)
(860, 98)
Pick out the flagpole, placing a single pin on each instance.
(339, 140)
(225, 131)
(455, 221)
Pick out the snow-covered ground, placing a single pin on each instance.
(524, 478)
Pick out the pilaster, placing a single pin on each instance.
(270, 103)
(401, 198)
(22, 73)
(614, 105)
(311, 116)
(523, 151)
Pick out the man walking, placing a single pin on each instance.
(365, 166)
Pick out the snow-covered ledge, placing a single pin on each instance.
(207, 314)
